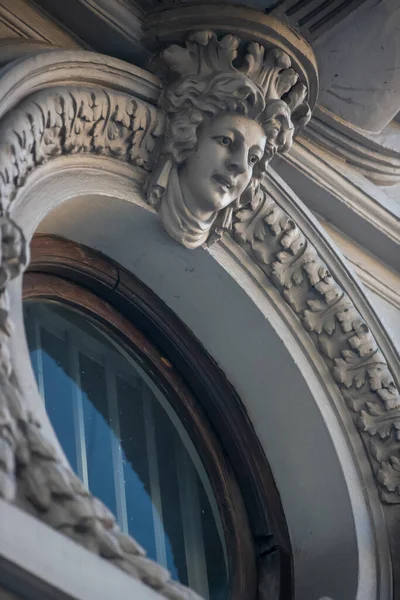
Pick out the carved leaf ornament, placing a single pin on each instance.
(349, 349)
(62, 121)
(67, 121)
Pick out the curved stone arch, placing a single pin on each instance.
(282, 238)
(50, 67)
(289, 240)
(101, 203)
(62, 121)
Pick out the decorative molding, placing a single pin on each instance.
(62, 121)
(38, 562)
(77, 120)
(39, 71)
(288, 258)
(24, 20)
(379, 163)
(379, 278)
(32, 469)
(311, 18)
(375, 283)
(273, 240)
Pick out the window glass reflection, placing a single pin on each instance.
(126, 443)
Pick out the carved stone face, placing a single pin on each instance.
(221, 167)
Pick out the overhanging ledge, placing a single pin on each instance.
(38, 562)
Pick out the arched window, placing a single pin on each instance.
(140, 432)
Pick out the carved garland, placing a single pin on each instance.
(343, 338)
(51, 124)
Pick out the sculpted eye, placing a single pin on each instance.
(225, 141)
(253, 160)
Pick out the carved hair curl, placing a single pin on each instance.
(191, 101)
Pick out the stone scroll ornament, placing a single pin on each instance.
(229, 111)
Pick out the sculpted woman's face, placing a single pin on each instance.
(221, 167)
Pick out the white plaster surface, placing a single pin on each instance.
(359, 66)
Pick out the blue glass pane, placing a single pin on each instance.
(57, 391)
(168, 441)
(121, 436)
(98, 435)
(136, 471)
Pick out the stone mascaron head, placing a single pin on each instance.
(225, 122)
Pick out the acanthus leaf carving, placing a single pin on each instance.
(389, 477)
(376, 420)
(62, 121)
(346, 343)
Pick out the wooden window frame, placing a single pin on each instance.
(256, 535)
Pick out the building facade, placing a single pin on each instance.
(200, 299)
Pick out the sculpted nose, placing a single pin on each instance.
(237, 162)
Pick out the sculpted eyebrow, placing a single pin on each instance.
(232, 130)
(257, 148)
(225, 131)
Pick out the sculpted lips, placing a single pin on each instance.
(224, 180)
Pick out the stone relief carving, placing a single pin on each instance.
(63, 121)
(343, 338)
(226, 120)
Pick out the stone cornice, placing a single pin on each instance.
(68, 67)
(27, 21)
(375, 160)
(112, 27)
(312, 19)
(380, 279)
(173, 24)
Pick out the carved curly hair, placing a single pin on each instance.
(190, 102)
